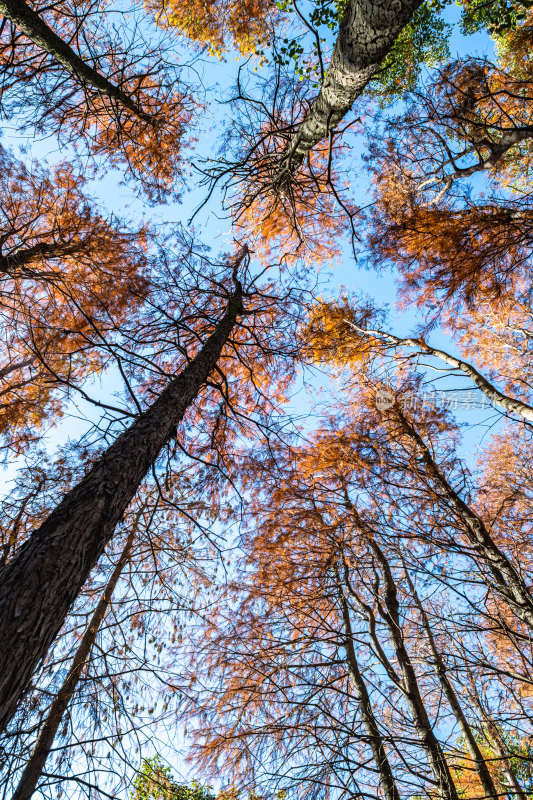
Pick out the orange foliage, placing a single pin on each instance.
(473, 119)
(150, 151)
(145, 141)
(243, 24)
(302, 221)
(446, 253)
(67, 272)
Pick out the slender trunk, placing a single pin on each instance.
(509, 404)
(430, 743)
(375, 739)
(508, 581)
(39, 585)
(32, 26)
(367, 33)
(498, 745)
(34, 767)
(442, 673)
(516, 789)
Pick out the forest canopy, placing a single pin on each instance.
(266, 400)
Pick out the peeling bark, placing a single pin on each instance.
(39, 585)
(367, 32)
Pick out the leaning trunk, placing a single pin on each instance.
(38, 587)
(34, 767)
(367, 33)
(507, 579)
(424, 729)
(30, 23)
(472, 746)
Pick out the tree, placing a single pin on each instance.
(154, 781)
(122, 700)
(450, 243)
(366, 34)
(35, 765)
(244, 24)
(68, 72)
(66, 271)
(109, 487)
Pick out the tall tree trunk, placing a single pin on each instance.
(507, 579)
(375, 739)
(367, 32)
(474, 751)
(428, 740)
(30, 23)
(507, 768)
(39, 585)
(34, 767)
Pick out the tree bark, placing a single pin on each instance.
(473, 748)
(18, 264)
(427, 738)
(34, 767)
(507, 580)
(375, 739)
(367, 32)
(30, 23)
(39, 585)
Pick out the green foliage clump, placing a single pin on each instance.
(423, 41)
(496, 16)
(154, 781)
(521, 759)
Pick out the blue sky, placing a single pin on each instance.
(214, 229)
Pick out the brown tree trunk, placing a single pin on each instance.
(32, 26)
(507, 579)
(18, 264)
(367, 32)
(34, 767)
(39, 585)
(375, 739)
(427, 738)
(474, 751)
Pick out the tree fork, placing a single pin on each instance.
(39, 585)
(390, 790)
(491, 792)
(391, 616)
